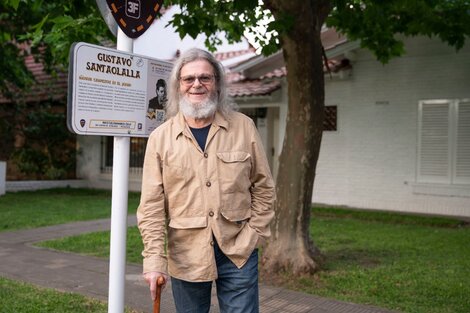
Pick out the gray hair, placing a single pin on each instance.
(224, 105)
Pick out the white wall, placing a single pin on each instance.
(28, 185)
(370, 162)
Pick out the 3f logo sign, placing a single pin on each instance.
(134, 17)
(133, 8)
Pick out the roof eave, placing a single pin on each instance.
(342, 49)
(260, 65)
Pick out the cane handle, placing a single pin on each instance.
(158, 295)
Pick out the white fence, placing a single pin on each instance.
(3, 172)
(24, 185)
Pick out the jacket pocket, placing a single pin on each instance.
(234, 171)
(175, 184)
(187, 244)
(239, 216)
(188, 222)
(233, 156)
(234, 176)
(177, 179)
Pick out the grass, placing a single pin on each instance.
(401, 262)
(25, 298)
(31, 209)
(97, 244)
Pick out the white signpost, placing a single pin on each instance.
(113, 93)
(109, 95)
(119, 202)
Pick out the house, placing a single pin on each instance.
(403, 132)
(397, 136)
(402, 136)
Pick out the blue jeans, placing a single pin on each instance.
(237, 289)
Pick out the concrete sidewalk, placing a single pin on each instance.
(20, 260)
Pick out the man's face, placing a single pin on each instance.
(194, 90)
(161, 94)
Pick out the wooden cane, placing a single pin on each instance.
(158, 296)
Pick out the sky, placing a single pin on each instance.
(162, 42)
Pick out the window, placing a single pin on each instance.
(331, 115)
(329, 121)
(255, 113)
(136, 158)
(444, 141)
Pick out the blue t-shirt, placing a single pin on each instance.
(201, 135)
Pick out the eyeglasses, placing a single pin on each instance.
(203, 79)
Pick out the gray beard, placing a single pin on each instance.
(200, 110)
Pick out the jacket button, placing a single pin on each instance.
(211, 213)
(212, 243)
(206, 155)
(208, 184)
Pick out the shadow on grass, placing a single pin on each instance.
(390, 217)
(356, 258)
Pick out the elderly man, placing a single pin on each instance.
(207, 186)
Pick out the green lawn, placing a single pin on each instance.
(20, 210)
(413, 265)
(402, 262)
(97, 244)
(16, 297)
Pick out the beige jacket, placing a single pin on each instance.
(226, 192)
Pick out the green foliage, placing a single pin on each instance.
(49, 149)
(51, 26)
(213, 17)
(14, 71)
(379, 24)
(12, 3)
(55, 25)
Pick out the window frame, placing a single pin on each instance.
(137, 153)
(431, 136)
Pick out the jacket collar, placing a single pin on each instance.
(180, 125)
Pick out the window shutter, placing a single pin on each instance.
(462, 154)
(433, 142)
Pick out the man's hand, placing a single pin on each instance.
(151, 279)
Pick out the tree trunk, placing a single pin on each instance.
(291, 247)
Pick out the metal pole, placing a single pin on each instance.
(117, 255)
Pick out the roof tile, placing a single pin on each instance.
(49, 87)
